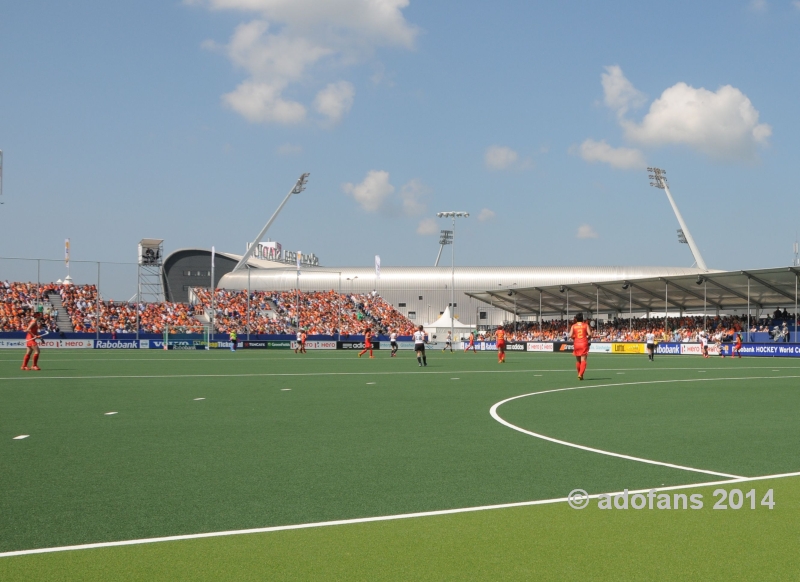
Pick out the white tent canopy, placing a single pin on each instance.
(442, 325)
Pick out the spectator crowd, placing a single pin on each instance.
(322, 313)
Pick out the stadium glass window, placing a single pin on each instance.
(481, 315)
(453, 304)
(420, 297)
(401, 304)
(412, 314)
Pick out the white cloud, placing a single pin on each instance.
(621, 158)
(500, 157)
(335, 100)
(287, 40)
(485, 215)
(289, 149)
(619, 93)
(373, 192)
(586, 231)
(428, 226)
(796, 4)
(412, 196)
(758, 5)
(723, 124)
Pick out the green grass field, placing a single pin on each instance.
(206, 442)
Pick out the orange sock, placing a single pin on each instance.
(25, 360)
(582, 368)
(35, 359)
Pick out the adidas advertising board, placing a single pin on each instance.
(356, 345)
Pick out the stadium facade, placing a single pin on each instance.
(419, 293)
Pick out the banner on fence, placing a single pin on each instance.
(628, 348)
(317, 345)
(600, 348)
(765, 350)
(116, 345)
(539, 347)
(356, 345)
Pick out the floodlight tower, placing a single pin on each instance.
(298, 187)
(659, 180)
(445, 238)
(452, 237)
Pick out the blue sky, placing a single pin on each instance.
(190, 121)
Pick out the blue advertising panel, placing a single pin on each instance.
(773, 350)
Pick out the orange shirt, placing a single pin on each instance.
(33, 331)
(500, 336)
(580, 332)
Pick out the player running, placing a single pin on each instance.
(31, 347)
(420, 339)
(303, 338)
(232, 336)
(581, 333)
(299, 340)
(703, 342)
(367, 344)
(393, 343)
(650, 342)
(448, 342)
(718, 343)
(471, 343)
(500, 339)
(737, 347)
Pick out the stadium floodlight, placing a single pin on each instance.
(453, 215)
(658, 179)
(445, 238)
(299, 186)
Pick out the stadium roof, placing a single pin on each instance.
(710, 291)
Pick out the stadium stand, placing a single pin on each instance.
(319, 313)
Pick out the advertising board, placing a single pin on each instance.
(66, 343)
(356, 345)
(563, 347)
(600, 348)
(116, 345)
(668, 348)
(318, 345)
(628, 348)
(772, 350)
(540, 347)
(697, 349)
(12, 343)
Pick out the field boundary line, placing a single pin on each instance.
(501, 420)
(359, 520)
(34, 377)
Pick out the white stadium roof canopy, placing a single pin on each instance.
(704, 292)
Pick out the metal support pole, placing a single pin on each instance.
(297, 298)
(540, 317)
(567, 307)
(138, 297)
(339, 292)
(97, 305)
(248, 301)
(705, 316)
(213, 299)
(630, 310)
(795, 308)
(666, 306)
(748, 309)
(453, 284)
(38, 286)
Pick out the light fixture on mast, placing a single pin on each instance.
(658, 179)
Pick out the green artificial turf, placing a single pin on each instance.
(546, 542)
(282, 439)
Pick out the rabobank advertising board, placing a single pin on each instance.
(116, 345)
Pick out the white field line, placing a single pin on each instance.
(498, 418)
(378, 518)
(31, 378)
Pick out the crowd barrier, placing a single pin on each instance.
(772, 349)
